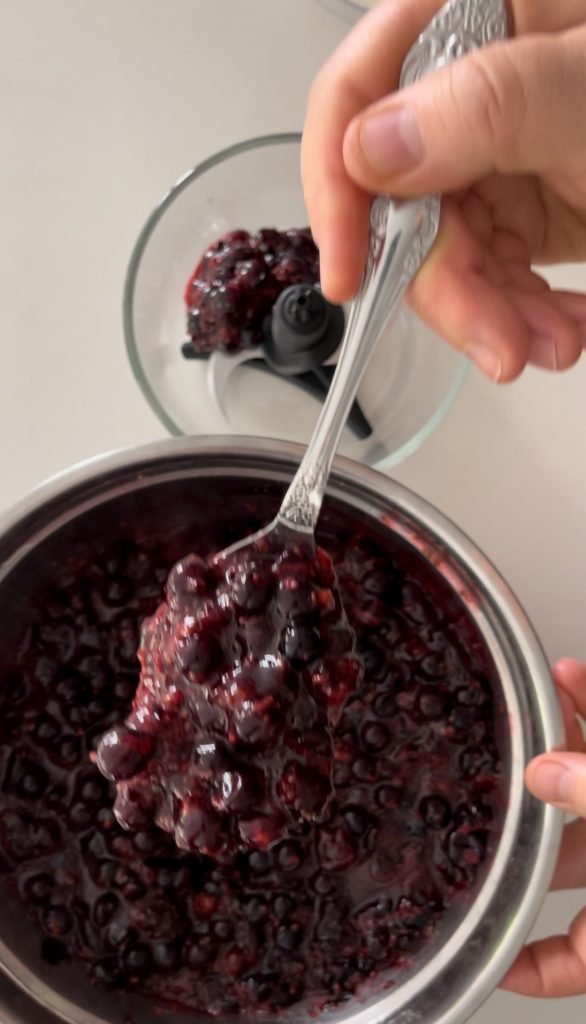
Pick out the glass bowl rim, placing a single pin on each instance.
(409, 447)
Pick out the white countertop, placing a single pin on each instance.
(102, 106)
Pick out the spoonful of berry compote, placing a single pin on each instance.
(246, 666)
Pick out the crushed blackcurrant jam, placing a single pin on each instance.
(364, 873)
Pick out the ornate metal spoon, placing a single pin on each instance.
(401, 235)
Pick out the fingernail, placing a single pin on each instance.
(486, 359)
(553, 781)
(391, 141)
(543, 352)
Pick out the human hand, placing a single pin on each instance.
(556, 966)
(502, 134)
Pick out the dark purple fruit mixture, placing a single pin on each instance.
(325, 911)
(244, 672)
(237, 282)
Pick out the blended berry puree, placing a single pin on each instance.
(237, 282)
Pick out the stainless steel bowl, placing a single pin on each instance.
(78, 513)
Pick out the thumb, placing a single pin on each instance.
(560, 779)
(515, 107)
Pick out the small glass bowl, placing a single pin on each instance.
(413, 377)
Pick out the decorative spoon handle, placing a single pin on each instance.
(401, 235)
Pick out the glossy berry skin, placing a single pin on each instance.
(123, 753)
(237, 282)
(301, 920)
